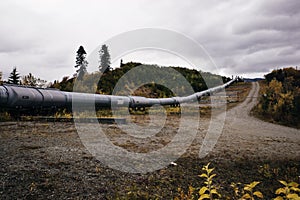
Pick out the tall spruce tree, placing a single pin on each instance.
(14, 77)
(104, 59)
(81, 63)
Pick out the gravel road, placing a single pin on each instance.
(247, 136)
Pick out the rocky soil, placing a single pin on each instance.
(50, 160)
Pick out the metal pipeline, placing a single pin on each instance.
(17, 97)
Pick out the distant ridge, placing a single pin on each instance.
(253, 79)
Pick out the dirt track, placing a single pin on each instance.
(244, 135)
(48, 161)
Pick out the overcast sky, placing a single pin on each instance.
(247, 38)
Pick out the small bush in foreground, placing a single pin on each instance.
(289, 191)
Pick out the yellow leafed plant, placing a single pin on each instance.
(247, 191)
(288, 191)
(209, 191)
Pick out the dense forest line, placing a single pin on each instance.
(104, 83)
(280, 97)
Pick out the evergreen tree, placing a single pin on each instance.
(81, 63)
(14, 77)
(104, 59)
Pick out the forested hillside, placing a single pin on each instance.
(104, 83)
(280, 97)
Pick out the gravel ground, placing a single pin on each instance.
(47, 160)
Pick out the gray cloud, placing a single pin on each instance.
(279, 7)
(243, 37)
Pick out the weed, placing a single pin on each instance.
(188, 196)
(246, 191)
(288, 191)
(5, 116)
(209, 191)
